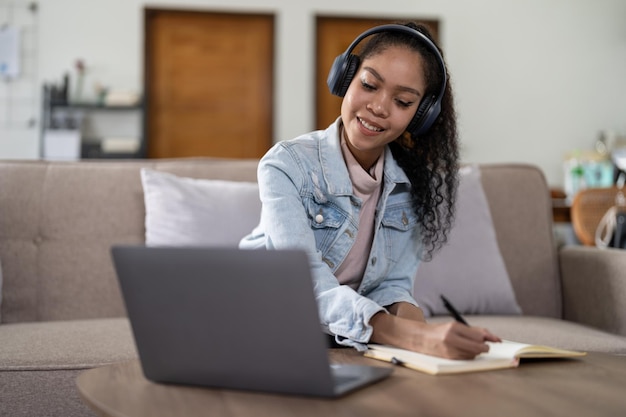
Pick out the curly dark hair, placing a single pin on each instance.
(430, 160)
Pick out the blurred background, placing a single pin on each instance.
(537, 81)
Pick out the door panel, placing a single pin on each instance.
(209, 84)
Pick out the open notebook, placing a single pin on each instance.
(501, 355)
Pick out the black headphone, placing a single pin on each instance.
(346, 65)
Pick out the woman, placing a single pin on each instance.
(373, 194)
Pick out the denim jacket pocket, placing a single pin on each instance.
(401, 228)
(326, 221)
(324, 215)
(401, 217)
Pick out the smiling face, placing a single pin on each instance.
(381, 101)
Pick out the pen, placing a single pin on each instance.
(453, 311)
(397, 361)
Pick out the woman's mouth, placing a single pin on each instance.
(370, 127)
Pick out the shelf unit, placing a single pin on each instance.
(61, 114)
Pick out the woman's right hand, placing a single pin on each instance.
(454, 340)
(450, 340)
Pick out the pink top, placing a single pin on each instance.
(366, 186)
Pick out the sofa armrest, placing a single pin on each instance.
(594, 287)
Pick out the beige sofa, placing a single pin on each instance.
(62, 311)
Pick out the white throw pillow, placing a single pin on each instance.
(184, 211)
(469, 269)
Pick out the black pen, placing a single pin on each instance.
(397, 361)
(453, 311)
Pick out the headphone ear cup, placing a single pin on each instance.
(341, 74)
(425, 116)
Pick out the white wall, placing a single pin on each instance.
(533, 78)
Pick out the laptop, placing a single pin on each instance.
(231, 318)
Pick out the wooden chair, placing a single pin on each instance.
(588, 208)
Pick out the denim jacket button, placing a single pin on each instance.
(319, 218)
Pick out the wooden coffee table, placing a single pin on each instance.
(591, 386)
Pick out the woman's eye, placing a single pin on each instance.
(367, 86)
(403, 103)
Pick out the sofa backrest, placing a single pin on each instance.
(521, 209)
(58, 221)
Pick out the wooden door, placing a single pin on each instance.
(334, 35)
(208, 84)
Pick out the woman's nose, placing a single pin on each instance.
(379, 107)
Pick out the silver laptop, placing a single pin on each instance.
(230, 318)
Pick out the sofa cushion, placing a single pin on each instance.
(548, 331)
(521, 210)
(42, 393)
(71, 344)
(58, 221)
(189, 211)
(469, 269)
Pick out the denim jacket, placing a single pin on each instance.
(308, 203)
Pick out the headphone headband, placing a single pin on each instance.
(346, 65)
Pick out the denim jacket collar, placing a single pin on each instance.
(334, 167)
